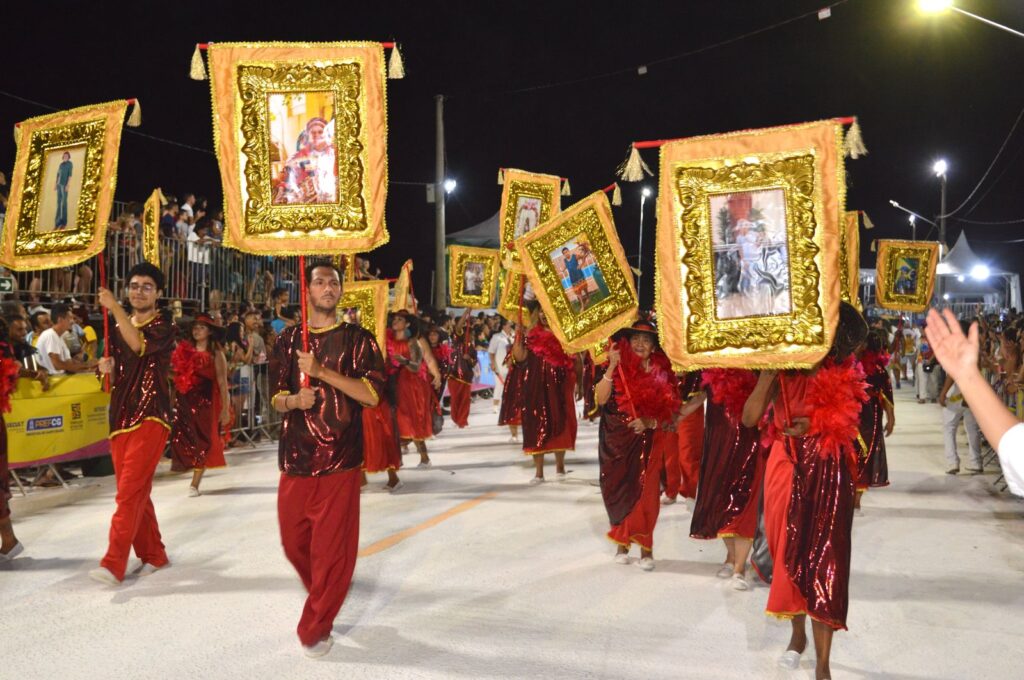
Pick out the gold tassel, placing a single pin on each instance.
(135, 119)
(853, 146)
(501, 177)
(616, 195)
(566, 191)
(396, 69)
(874, 246)
(868, 224)
(198, 69)
(633, 168)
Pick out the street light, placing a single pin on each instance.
(934, 6)
(913, 227)
(449, 186)
(980, 272)
(939, 6)
(644, 194)
(939, 167)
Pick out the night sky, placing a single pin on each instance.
(923, 87)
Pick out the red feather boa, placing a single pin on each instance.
(835, 396)
(730, 387)
(874, 362)
(8, 382)
(651, 394)
(443, 353)
(186, 361)
(545, 345)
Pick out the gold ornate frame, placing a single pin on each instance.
(849, 259)
(151, 227)
(805, 162)
(98, 128)
(403, 289)
(371, 297)
(458, 258)
(889, 253)
(591, 217)
(241, 77)
(518, 183)
(512, 283)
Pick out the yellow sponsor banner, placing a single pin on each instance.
(67, 422)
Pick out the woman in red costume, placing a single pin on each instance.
(460, 382)
(874, 467)
(809, 488)
(685, 445)
(548, 395)
(380, 444)
(9, 370)
(201, 408)
(511, 411)
(731, 472)
(637, 395)
(412, 378)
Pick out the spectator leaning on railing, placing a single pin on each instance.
(958, 355)
(54, 354)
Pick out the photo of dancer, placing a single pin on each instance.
(303, 159)
(473, 279)
(528, 209)
(62, 182)
(583, 283)
(751, 258)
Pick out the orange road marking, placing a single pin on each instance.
(395, 539)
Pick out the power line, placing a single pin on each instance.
(990, 223)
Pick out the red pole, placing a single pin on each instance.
(302, 306)
(106, 319)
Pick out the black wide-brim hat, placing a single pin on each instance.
(217, 332)
(639, 326)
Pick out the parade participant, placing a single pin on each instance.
(497, 350)
(10, 368)
(140, 417)
(549, 391)
(809, 488)
(873, 470)
(321, 449)
(511, 411)
(955, 409)
(460, 380)
(589, 376)
(381, 452)
(442, 351)
(637, 395)
(682, 464)
(413, 376)
(201, 408)
(731, 472)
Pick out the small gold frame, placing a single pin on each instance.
(151, 213)
(513, 287)
(545, 190)
(459, 258)
(371, 299)
(891, 284)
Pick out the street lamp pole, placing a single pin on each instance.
(644, 193)
(440, 293)
(940, 167)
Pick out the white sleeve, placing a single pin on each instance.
(1011, 457)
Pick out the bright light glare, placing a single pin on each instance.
(942, 268)
(912, 219)
(960, 278)
(940, 167)
(934, 6)
(945, 296)
(979, 272)
(449, 185)
(646, 191)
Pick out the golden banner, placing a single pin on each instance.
(403, 298)
(151, 213)
(905, 274)
(300, 132)
(748, 247)
(472, 276)
(849, 258)
(528, 200)
(365, 303)
(62, 187)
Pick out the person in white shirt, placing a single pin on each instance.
(199, 257)
(54, 355)
(497, 350)
(958, 355)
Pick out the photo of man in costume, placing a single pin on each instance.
(64, 171)
(582, 281)
(906, 275)
(309, 174)
(61, 189)
(528, 210)
(473, 278)
(751, 261)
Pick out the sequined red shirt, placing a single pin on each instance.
(140, 385)
(328, 437)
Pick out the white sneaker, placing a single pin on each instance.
(536, 480)
(13, 552)
(147, 569)
(396, 487)
(621, 558)
(646, 563)
(320, 648)
(668, 500)
(193, 492)
(789, 660)
(513, 440)
(739, 582)
(104, 575)
(425, 465)
(561, 476)
(726, 571)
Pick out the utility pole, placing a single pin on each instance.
(440, 280)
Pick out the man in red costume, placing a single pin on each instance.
(140, 416)
(321, 450)
(460, 381)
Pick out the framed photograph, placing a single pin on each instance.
(472, 276)
(527, 200)
(365, 303)
(62, 187)
(849, 259)
(151, 212)
(300, 132)
(513, 293)
(748, 236)
(579, 272)
(905, 279)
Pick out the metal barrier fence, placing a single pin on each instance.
(199, 275)
(255, 418)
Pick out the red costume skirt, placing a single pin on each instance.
(460, 394)
(380, 446)
(638, 527)
(690, 432)
(416, 405)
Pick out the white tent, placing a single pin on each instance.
(966, 278)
